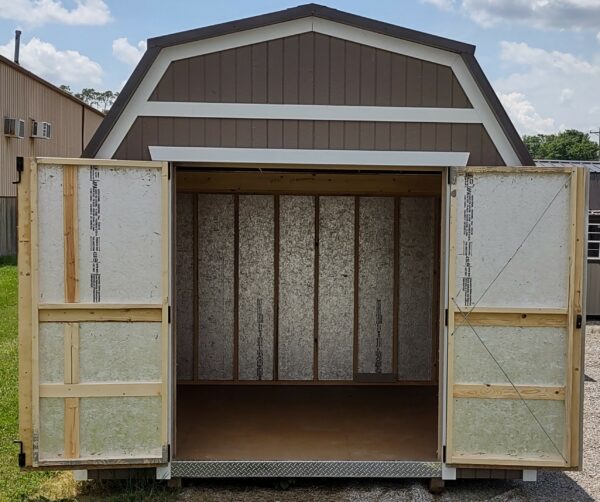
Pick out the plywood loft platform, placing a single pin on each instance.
(228, 422)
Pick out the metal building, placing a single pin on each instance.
(28, 98)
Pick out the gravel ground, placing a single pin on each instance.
(584, 485)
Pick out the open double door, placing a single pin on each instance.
(94, 333)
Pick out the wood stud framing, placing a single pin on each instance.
(509, 392)
(25, 313)
(267, 183)
(526, 317)
(71, 313)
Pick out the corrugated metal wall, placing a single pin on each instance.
(73, 125)
(8, 232)
(25, 98)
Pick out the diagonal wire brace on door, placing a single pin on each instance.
(465, 316)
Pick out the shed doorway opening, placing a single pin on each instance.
(306, 315)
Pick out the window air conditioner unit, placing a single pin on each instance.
(42, 130)
(15, 128)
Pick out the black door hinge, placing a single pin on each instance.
(21, 456)
(444, 453)
(20, 167)
(446, 318)
(169, 314)
(578, 321)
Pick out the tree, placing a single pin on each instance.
(567, 145)
(101, 100)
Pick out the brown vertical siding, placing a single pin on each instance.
(311, 69)
(593, 289)
(594, 191)
(308, 134)
(24, 97)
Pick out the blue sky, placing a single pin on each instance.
(542, 56)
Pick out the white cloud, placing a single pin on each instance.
(545, 91)
(566, 96)
(126, 52)
(59, 67)
(565, 62)
(524, 114)
(39, 12)
(559, 14)
(598, 36)
(441, 4)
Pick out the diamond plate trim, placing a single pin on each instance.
(305, 469)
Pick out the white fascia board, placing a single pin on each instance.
(438, 56)
(140, 98)
(309, 112)
(197, 48)
(301, 156)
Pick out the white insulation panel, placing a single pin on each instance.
(184, 288)
(417, 286)
(507, 427)
(120, 225)
(51, 234)
(518, 219)
(375, 284)
(296, 287)
(120, 427)
(52, 428)
(216, 256)
(523, 353)
(52, 352)
(336, 288)
(256, 286)
(119, 352)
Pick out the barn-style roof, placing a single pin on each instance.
(462, 50)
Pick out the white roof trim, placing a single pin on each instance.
(301, 156)
(140, 98)
(309, 112)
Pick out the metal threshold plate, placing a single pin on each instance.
(304, 469)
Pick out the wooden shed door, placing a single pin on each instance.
(515, 359)
(93, 306)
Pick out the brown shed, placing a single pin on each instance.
(321, 249)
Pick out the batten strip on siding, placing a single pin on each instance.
(298, 156)
(310, 112)
(145, 89)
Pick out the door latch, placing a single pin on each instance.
(578, 321)
(20, 167)
(21, 452)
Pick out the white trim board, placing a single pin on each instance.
(309, 112)
(143, 92)
(300, 156)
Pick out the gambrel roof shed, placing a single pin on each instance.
(305, 79)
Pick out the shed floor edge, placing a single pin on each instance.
(305, 469)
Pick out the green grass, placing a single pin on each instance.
(14, 484)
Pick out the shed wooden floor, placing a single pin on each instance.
(248, 422)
